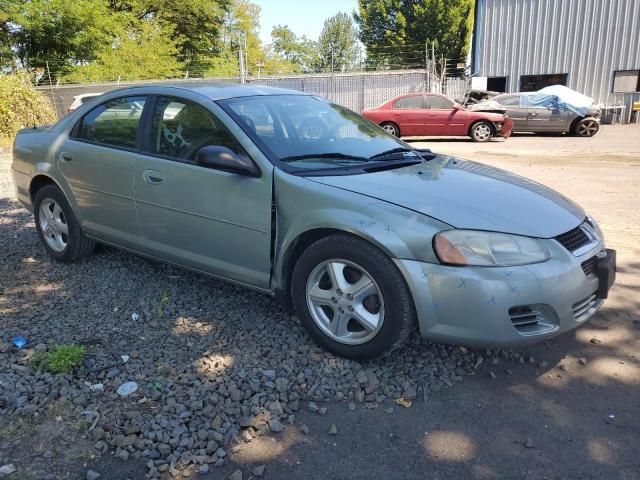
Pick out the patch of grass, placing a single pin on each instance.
(62, 359)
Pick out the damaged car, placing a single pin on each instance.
(364, 237)
(554, 109)
(432, 114)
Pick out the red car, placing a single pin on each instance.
(432, 114)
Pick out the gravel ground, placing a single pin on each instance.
(228, 382)
(216, 365)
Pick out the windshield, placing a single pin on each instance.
(309, 133)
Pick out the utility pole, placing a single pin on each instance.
(242, 72)
(426, 64)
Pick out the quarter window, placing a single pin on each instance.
(436, 102)
(409, 103)
(182, 128)
(114, 123)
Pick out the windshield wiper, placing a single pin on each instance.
(423, 154)
(393, 151)
(336, 155)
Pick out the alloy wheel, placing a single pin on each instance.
(587, 128)
(389, 129)
(53, 225)
(482, 132)
(345, 301)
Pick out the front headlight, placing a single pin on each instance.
(489, 249)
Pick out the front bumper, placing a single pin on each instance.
(506, 129)
(503, 306)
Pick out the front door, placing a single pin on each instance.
(206, 219)
(443, 119)
(97, 161)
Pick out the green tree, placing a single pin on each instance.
(395, 31)
(299, 51)
(143, 53)
(60, 33)
(338, 44)
(197, 25)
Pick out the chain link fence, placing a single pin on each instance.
(356, 91)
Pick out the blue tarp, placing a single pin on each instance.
(559, 97)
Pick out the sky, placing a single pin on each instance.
(304, 17)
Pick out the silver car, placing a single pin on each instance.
(543, 118)
(363, 236)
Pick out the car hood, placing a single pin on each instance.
(469, 195)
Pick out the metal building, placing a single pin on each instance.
(592, 46)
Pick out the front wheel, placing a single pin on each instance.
(481, 132)
(57, 227)
(587, 127)
(352, 298)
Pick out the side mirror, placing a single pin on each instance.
(457, 106)
(225, 159)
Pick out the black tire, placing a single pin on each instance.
(586, 127)
(399, 317)
(391, 128)
(77, 245)
(482, 131)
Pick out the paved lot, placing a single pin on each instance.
(568, 408)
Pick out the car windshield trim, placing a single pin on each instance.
(336, 155)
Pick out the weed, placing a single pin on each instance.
(62, 359)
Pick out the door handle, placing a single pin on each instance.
(152, 177)
(533, 114)
(66, 157)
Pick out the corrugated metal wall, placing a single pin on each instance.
(588, 39)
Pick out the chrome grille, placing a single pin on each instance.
(590, 266)
(573, 239)
(585, 307)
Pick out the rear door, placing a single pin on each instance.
(409, 113)
(443, 119)
(206, 219)
(97, 161)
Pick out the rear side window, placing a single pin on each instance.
(409, 103)
(114, 123)
(181, 128)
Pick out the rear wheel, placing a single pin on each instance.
(391, 128)
(481, 132)
(587, 127)
(57, 227)
(351, 298)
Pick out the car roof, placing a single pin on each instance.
(213, 90)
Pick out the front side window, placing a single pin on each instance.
(114, 123)
(508, 100)
(409, 103)
(436, 102)
(181, 128)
